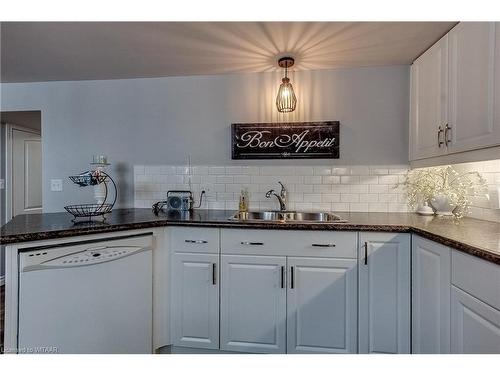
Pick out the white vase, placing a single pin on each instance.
(442, 205)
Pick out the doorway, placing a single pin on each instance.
(23, 163)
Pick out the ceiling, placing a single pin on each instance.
(55, 51)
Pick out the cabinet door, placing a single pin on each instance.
(384, 293)
(431, 284)
(472, 70)
(475, 326)
(253, 304)
(195, 300)
(322, 305)
(429, 102)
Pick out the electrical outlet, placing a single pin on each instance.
(56, 185)
(2, 184)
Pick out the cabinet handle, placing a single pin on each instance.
(446, 132)
(292, 278)
(366, 253)
(323, 244)
(196, 241)
(214, 274)
(282, 277)
(440, 131)
(252, 243)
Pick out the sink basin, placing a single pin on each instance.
(289, 216)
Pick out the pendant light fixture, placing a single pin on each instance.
(286, 100)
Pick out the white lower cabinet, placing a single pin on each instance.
(322, 305)
(431, 278)
(475, 326)
(195, 300)
(384, 293)
(253, 304)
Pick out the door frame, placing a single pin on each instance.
(8, 163)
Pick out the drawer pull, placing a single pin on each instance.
(252, 243)
(323, 244)
(282, 277)
(196, 241)
(366, 253)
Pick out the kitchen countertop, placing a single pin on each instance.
(476, 237)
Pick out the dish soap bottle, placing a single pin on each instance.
(243, 204)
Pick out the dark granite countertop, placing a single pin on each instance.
(476, 237)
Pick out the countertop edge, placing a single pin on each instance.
(74, 232)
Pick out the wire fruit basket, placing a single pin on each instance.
(89, 211)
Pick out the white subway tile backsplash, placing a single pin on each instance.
(388, 180)
(379, 189)
(322, 188)
(330, 179)
(349, 179)
(349, 197)
(312, 197)
(312, 179)
(322, 171)
(217, 170)
(330, 198)
(338, 188)
(341, 171)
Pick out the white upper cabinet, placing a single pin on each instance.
(322, 305)
(429, 102)
(431, 271)
(472, 71)
(384, 293)
(453, 90)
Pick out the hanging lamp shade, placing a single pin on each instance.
(286, 101)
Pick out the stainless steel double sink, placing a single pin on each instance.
(288, 216)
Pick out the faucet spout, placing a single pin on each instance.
(281, 198)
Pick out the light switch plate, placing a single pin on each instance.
(2, 184)
(56, 185)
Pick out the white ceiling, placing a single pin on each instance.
(54, 51)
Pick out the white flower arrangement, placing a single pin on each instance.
(422, 185)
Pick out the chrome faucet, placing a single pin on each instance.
(281, 198)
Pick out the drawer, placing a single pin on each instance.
(477, 277)
(289, 243)
(194, 240)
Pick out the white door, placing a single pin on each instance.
(253, 304)
(472, 72)
(322, 305)
(195, 297)
(384, 293)
(429, 102)
(431, 284)
(26, 164)
(475, 326)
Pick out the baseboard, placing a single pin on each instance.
(2, 280)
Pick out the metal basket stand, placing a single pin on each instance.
(92, 210)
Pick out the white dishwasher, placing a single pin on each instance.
(88, 297)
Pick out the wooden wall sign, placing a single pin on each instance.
(289, 140)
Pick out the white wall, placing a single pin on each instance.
(162, 120)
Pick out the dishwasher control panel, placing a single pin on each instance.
(93, 256)
(82, 254)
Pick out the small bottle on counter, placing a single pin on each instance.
(243, 204)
